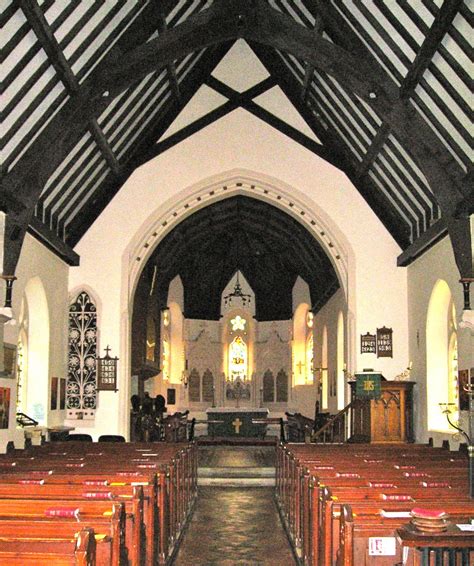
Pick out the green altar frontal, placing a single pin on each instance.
(236, 422)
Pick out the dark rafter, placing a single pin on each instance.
(207, 119)
(309, 71)
(171, 68)
(376, 200)
(442, 22)
(35, 16)
(96, 203)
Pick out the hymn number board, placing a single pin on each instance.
(107, 372)
(380, 343)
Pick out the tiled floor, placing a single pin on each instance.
(236, 456)
(235, 527)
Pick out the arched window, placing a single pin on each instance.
(282, 387)
(340, 363)
(301, 322)
(208, 386)
(441, 356)
(194, 386)
(268, 387)
(324, 370)
(82, 363)
(238, 359)
(310, 358)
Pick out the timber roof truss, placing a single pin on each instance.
(91, 87)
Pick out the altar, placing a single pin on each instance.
(236, 422)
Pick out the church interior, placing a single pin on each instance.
(236, 246)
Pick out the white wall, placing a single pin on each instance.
(437, 263)
(378, 288)
(38, 261)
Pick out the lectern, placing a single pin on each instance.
(386, 419)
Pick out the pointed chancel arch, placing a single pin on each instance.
(441, 356)
(266, 204)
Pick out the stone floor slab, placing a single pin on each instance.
(235, 527)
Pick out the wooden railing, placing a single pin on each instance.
(24, 420)
(337, 429)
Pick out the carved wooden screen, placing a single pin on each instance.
(208, 386)
(194, 385)
(82, 356)
(282, 386)
(268, 387)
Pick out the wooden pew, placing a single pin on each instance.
(174, 468)
(78, 551)
(360, 476)
(110, 548)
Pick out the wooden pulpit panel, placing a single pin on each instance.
(387, 419)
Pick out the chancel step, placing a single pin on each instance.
(232, 476)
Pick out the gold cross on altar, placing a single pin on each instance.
(237, 423)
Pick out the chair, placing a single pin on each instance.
(79, 437)
(111, 438)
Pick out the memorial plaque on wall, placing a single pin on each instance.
(368, 343)
(384, 342)
(107, 372)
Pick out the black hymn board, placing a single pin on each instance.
(107, 372)
(384, 342)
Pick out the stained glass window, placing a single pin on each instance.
(238, 359)
(82, 363)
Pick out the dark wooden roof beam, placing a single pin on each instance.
(442, 22)
(48, 42)
(309, 71)
(171, 68)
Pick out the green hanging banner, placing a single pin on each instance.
(368, 385)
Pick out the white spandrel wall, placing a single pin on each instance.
(41, 268)
(240, 141)
(436, 264)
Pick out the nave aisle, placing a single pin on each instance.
(235, 525)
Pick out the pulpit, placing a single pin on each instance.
(236, 422)
(386, 419)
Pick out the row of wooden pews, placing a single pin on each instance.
(110, 503)
(335, 500)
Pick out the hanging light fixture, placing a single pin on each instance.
(237, 293)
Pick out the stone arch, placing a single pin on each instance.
(225, 185)
(37, 382)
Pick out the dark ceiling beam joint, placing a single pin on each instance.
(442, 22)
(309, 70)
(245, 101)
(171, 67)
(53, 242)
(423, 243)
